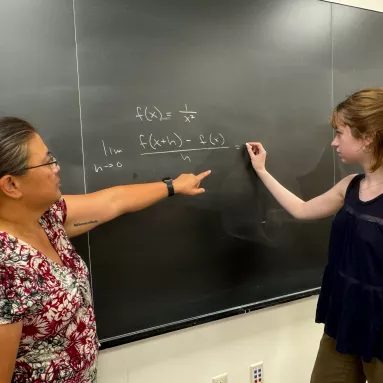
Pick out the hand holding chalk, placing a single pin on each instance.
(257, 155)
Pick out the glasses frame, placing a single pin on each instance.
(53, 161)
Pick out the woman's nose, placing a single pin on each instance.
(334, 143)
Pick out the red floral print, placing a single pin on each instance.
(59, 342)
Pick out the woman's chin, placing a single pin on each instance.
(347, 161)
(344, 160)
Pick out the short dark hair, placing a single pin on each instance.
(15, 135)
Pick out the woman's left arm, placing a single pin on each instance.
(86, 211)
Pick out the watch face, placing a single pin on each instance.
(166, 179)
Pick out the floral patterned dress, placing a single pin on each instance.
(59, 342)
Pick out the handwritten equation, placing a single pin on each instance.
(153, 113)
(176, 142)
(109, 152)
(172, 143)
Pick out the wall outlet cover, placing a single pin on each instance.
(257, 373)
(221, 379)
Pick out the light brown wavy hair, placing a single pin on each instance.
(362, 112)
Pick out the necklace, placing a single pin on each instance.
(368, 187)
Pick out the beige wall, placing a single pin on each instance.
(375, 5)
(285, 337)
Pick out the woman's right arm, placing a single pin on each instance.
(322, 206)
(10, 335)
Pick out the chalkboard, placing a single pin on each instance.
(38, 82)
(131, 92)
(358, 57)
(160, 77)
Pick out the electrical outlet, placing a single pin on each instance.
(220, 379)
(257, 373)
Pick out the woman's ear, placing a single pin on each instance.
(368, 139)
(10, 187)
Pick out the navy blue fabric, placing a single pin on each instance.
(351, 299)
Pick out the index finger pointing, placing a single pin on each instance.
(203, 175)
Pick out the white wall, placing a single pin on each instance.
(375, 5)
(285, 337)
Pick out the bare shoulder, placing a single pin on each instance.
(342, 185)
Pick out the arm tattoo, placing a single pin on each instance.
(85, 223)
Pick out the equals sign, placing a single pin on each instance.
(168, 116)
(237, 146)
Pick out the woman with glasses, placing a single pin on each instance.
(47, 324)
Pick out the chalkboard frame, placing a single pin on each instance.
(203, 319)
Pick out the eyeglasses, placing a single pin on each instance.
(52, 161)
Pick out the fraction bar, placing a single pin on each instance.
(184, 150)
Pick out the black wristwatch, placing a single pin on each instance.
(169, 184)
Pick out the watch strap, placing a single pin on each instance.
(169, 184)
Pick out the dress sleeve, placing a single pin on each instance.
(59, 211)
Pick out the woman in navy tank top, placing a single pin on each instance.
(351, 300)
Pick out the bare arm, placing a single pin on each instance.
(10, 335)
(87, 211)
(322, 206)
